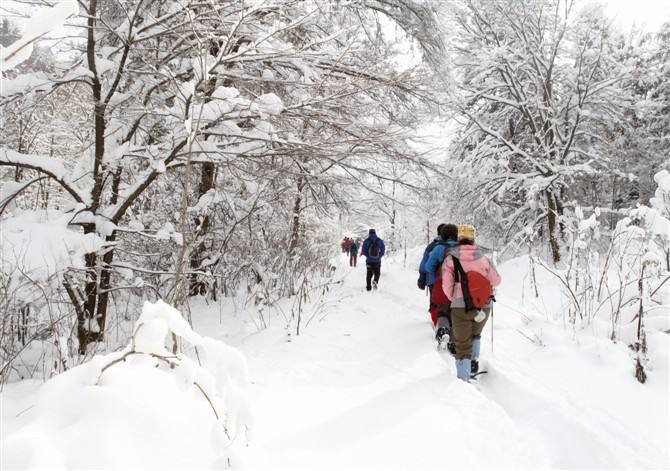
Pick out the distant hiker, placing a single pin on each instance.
(353, 253)
(468, 279)
(373, 250)
(345, 245)
(440, 304)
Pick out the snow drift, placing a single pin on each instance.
(142, 407)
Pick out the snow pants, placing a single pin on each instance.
(438, 311)
(439, 304)
(352, 260)
(465, 329)
(373, 270)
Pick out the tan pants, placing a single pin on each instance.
(464, 329)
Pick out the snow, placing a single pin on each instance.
(662, 178)
(226, 93)
(41, 244)
(54, 167)
(270, 104)
(8, 191)
(46, 20)
(136, 413)
(361, 387)
(51, 165)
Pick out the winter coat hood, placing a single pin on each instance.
(467, 252)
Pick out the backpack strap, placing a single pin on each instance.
(461, 277)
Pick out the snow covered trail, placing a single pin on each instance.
(365, 388)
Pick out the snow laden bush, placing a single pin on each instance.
(145, 406)
(38, 250)
(620, 278)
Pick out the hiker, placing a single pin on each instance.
(353, 253)
(468, 279)
(373, 250)
(422, 282)
(345, 245)
(440, 311)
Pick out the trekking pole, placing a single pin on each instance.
(491, 327)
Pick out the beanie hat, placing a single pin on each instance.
(372, 231)
(466, 231)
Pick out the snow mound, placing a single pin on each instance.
(142, 407)
(270, 104)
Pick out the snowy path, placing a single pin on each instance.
(365, 388)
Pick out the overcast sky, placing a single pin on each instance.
(648, 13)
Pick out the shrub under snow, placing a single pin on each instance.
(142, 407)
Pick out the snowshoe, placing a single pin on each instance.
(474, 376)
(474, 367)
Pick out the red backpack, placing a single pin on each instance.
(477, 289)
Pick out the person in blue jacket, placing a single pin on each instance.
(440, 308)
(423, 276)
(373, 250)
(449, 237)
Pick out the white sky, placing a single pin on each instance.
(648, 14)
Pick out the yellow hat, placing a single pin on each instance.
(466, 231)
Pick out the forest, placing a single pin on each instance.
(210, 155)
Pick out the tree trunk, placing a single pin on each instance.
(94, 304)
(207, 180)
(295, 232)
(551, 225)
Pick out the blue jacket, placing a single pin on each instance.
(435, 259)
(366, 245)
(426, 254)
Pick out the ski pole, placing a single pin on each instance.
(491, 327)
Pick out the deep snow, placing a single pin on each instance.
(364, 387)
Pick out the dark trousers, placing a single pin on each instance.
(373, 269)
(352, 260)
(465, 329)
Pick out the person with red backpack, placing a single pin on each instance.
(468, 279)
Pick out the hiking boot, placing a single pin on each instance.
(474, 367)
(451, 346)
(374, 285)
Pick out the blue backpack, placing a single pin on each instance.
(423, 276)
